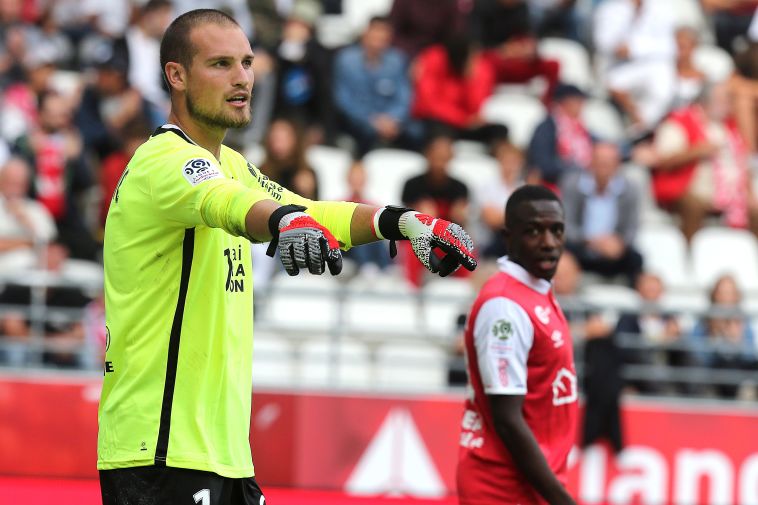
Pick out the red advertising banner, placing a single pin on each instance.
(406, 445)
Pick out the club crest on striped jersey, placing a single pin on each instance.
(199, 170)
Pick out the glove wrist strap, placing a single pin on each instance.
(273, 224)
(388, 222)
(387, 225)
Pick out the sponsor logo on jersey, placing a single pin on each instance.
(502, 329)
(271, 187)
(564, 387)
(557, 338)
(199, 170)
(502, 371)
(235, 273)
(542, 313)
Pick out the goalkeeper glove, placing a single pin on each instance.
(302, 242)
(426, 233)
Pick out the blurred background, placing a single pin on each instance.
(642, 114)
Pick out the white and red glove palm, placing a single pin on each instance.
(427, 233)
(303, 243)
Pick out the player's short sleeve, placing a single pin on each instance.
(503, 337)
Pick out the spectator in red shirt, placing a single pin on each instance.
(133, 135)
(452, 82)
(503, 28)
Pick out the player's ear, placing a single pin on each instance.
(176, 75)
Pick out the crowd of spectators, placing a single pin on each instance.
(78, 94)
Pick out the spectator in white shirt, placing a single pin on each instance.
(636, 51)
(24, 222)
(143, 40)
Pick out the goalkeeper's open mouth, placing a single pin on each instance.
(239, 100)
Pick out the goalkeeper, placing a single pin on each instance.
(174, 414)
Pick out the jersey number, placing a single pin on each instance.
(204, 495)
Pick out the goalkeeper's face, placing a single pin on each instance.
(220, 77)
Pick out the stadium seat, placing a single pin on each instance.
(574, 59)
(474, 170)
(664, 250)
(650, 213)
(387, 170)
(334, 31)
(273, 360)
(383, 306)
(255, 154)
(521, 113)
(443, 301)
(357, 13)
(352, 369)
(612, 297)
(302, 303)
(602, 120)
(463, 148)
(714, 62)
(690, 13)
(717, 251)
(331, 165)
(411, 367)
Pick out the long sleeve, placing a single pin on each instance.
(399, 105)
(429, 96)
(542, 153)
(572, 201)
(334, 216)
(629, 213)
(350, 94)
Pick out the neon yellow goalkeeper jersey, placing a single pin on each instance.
(178, 292)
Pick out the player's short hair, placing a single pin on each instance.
(176, 44)
(528, 193)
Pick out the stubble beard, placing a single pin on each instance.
(219, 119)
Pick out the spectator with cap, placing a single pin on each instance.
(602, 210)
(561, 144)
(109, 103)
(372, 91)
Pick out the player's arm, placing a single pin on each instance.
(526, 454)
(356, 224)
(192, 190)
(503, 336)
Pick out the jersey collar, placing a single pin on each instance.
(169, 127)
(520, 274)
